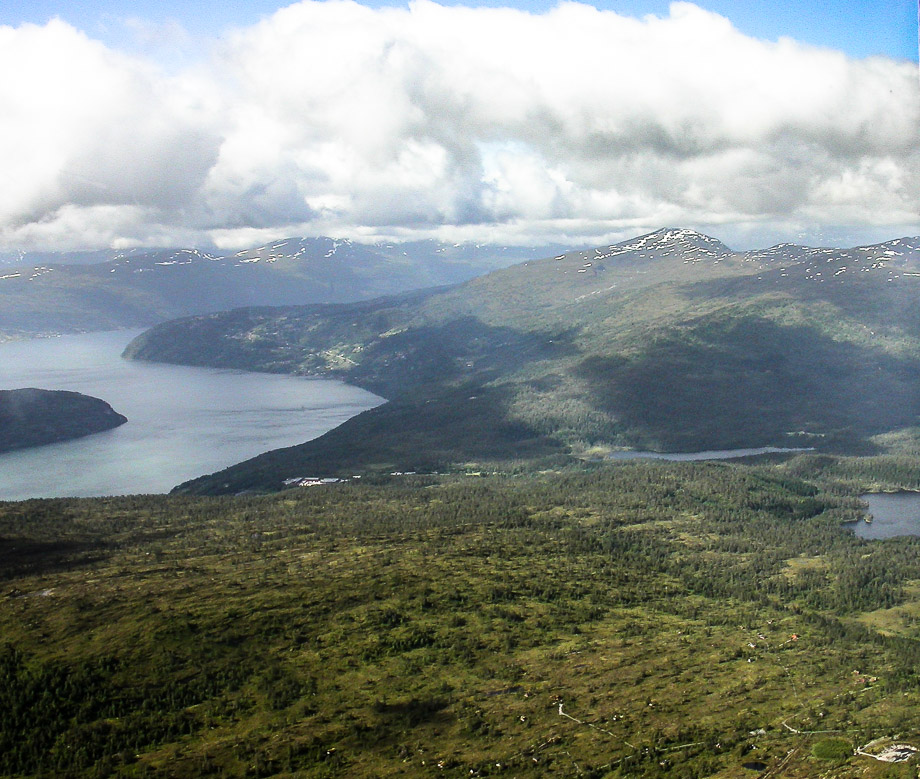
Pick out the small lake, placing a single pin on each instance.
(893, 514)
(182, 422)
(712, 454)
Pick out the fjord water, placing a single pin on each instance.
(182, 422)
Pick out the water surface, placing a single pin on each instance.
(182, 422)
(893, 514)
(710, 454)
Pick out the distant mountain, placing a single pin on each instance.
(670, 341)
(142, 287)
(32, 258)
(35, 417)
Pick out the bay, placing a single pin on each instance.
(182, 422)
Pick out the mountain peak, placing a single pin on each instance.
(684, 236)
(671, 233)
(674, 240)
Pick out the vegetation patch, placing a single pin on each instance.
(623, 620)
(835, 749)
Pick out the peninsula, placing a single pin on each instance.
(35, 417)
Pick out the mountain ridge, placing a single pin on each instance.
(665, 343)
(138, 288)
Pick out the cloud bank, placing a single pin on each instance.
(478, 124)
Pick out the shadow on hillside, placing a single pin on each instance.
(868, 298)
(464, 350)
(468, 424)
(28, 557)
(726, 383)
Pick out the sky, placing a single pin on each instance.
(226, 124)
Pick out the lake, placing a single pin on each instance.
(709, 454)
(182, 422)
(893, 514)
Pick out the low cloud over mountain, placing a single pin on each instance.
(481, 124)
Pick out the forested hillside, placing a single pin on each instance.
(670, 341)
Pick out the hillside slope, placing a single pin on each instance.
(670, 341)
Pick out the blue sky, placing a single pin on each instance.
(857, 27)
(229, 123)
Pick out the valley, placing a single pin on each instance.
(459, 389)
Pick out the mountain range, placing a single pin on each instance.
(670, 341)
(52, 293)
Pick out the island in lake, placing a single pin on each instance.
(34, 417)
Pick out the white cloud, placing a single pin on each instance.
(491, 124)
(82, 128)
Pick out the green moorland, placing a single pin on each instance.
(670, 342)
(643, 619)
